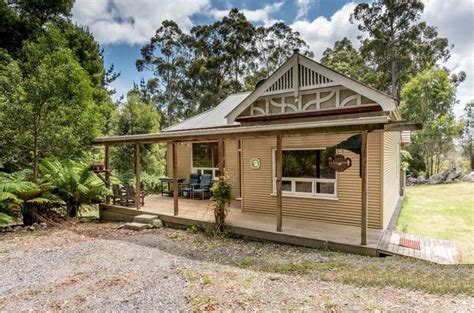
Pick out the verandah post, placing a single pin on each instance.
(107, 170)
(221, 158)
(279, 169)
(175, 178)
(364, 202)
(138, 170)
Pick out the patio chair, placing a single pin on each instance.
(118, 195)
(130, 198)
(204, 186)
(188, 186)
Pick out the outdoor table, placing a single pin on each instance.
(169, 182)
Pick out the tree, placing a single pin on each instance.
(428, 98)
(344, 58)
(74, 183)
(137, 117)
(167, 56)
(396, 44)
(51, 109)
(468, 119)
(275, 44)
(23, 20)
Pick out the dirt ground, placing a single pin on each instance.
(90, 267)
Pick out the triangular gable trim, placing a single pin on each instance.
(327, 77)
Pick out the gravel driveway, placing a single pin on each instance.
(65, 270)
(97, 268)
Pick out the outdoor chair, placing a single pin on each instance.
(130, 198)
(204, 186)
(187, 187)
(118, 195)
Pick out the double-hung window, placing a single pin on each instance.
(205, 158)
(306, 173)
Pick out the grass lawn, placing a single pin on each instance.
(444, 211)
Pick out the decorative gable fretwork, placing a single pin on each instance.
(310, 79)
(310, 100)
(307, 79)
(283, 84)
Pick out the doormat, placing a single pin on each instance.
(408, 243)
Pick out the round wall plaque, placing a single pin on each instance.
(255, 163)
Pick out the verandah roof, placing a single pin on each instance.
(335, 125)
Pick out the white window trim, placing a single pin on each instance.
(194, 170)
(293, 180)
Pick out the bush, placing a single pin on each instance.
(222, 191)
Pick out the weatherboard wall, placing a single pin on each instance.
(391, 174)
(257, 183)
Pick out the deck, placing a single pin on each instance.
(296, 231)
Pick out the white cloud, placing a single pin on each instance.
(322, 32)
(303, 8)
(262, 15)
(133, 21)
(456, 22)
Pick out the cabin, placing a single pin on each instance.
(311, 154)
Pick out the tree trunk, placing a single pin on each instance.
(35, 154)
(72, 210)
(28, 218)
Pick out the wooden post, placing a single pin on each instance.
(107, 170)
(221, 158)
(279, 170)
(175, 179)
(138, 170)
(402, 182)
(364, 211)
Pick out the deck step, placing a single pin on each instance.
(136, 226)
(145, 218)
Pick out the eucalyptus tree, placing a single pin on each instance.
(428, 98)
(167, 56)
(344, 58)
(396, 43)
(275, 44)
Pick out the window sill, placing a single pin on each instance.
(334, 198)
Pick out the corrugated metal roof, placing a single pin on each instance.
(212, 118)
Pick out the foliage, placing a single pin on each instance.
(21, 197)
(405, 158)
(344, 58)
(24, 20)
(137, 116)
(74, 183)
(51, 73)
(428, 98)
(195, 72)
(467, 142)
(222, 193)
(396, 44)
(150, 184)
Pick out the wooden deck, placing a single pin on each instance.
(433, 250)
(296, 231)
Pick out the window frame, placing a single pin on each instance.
(294, 180)
(200, 170)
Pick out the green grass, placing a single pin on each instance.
(443, 211)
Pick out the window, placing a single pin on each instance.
(306, 172)
(206, 158)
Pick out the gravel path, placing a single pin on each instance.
(97, 268)
(67, 271)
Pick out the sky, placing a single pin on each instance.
(122, 27)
